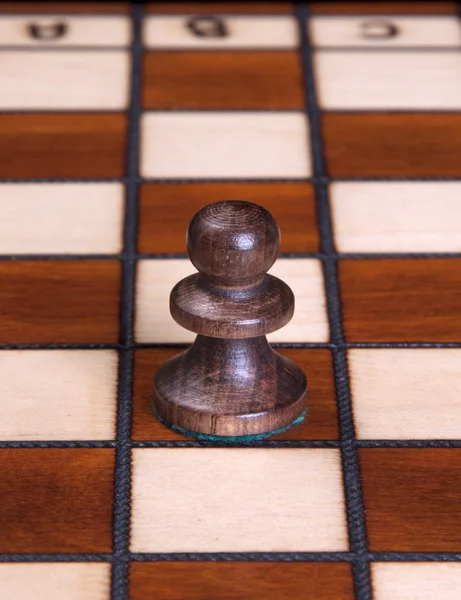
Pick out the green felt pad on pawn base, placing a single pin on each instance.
(229, 439)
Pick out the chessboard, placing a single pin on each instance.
(118, 122)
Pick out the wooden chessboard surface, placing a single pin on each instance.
(117, 123)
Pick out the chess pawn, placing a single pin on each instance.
(230, 384)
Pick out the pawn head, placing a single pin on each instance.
(233, 242)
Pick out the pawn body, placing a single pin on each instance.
(230, 384)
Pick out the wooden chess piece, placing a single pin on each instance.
(230, 384)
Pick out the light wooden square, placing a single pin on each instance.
(80, 31)
(225, 145)
(404, 393)
(416, 580)
(54, 581)
(157, 277)
(382, 80)
(58, 394)
(396, 216)
(385, 31)
(237, 500)
(243, 32)
(82, 218)
(67, 80)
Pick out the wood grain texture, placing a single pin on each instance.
(237, 500)
(406, 393)
(55, 581)
(59, 301)
(232, 244)
(421, 580)
(64, 7)
(220, 7)
(396, 216)
(62, 145)
(95, 210)
(376, 8)
(75, 80)
(251, 580)
(392, 145)
(320, 424)
(222, 80)
(166, 209)
(56, 500)
(230, 388)
(411, 497)
(381, 80)
(233, 145)
(404, 300)
(58, 394)
(230, 382)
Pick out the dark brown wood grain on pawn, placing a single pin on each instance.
(322, 423)
(231, 382)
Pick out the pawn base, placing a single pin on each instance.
(230, 390)
(229, 439)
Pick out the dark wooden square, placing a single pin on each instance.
(321, 422)
(216, 8)
(34, 8)
(56, 500)
(62, 145)
(412, 497)
(392, 145)
(384, 8)
(249, 580)
(401, 300)
(166, 209)
(222, 80)
(66, 301)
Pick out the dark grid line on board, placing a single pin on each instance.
(122, 488)
(146, 48)
(339, 111)
(186, 557)
(203, 181)
(65, 111)
(283, 255)
(171, 444)
(323, 444)
(183, 345)
(237, 557)
(236, 13)
(384, 50)
(198, 110)
(351, 474)
(227, 110)
(70, 49)
(40, 558)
